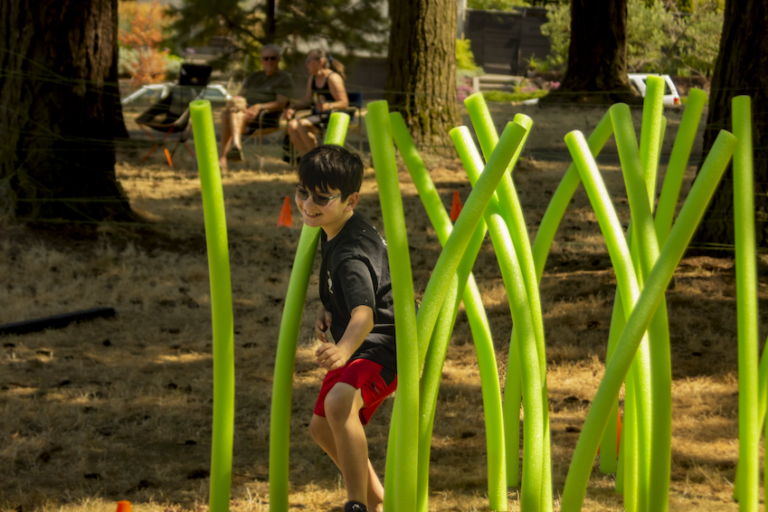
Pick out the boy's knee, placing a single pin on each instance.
(339, 403)
(315, 428)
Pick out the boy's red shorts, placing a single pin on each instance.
(362, 374)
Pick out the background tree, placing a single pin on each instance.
(141, 36)
(359, 25)
(421, 69)
(597, 55)
(60, 111)
(741, 69)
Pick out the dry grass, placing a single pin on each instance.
(121, 408)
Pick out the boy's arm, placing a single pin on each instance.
(330, 356)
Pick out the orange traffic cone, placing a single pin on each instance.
(286, 219)
(456, 206)
(618, 435)
(123, 506)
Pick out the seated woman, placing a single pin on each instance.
(325, 92)
(264, 94)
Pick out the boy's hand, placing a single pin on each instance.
(330, 356)
(322, 324)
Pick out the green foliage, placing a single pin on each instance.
(516, 97)
(497, 5)
(535, 64)
(648, 34)
(465, 60)
(558, 30)
(357, 24)
(658, 40)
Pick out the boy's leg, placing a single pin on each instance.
(342, 406)
(323, 435)
(226, 136)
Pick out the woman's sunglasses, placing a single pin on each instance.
(304, 194)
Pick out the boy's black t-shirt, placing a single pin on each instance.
(355, 272)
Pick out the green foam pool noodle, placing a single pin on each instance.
(638, 321)
(746, 305)
(678, 162)
(408, 358)
(288, 339)
(481, 333)
(221, 306)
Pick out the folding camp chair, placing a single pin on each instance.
(193, 79)
(257, 130)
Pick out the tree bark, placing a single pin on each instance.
(741, 69)
(60, 111)
(597, 56)
(421, 70)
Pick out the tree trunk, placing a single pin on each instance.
(421, 70)
(597, 56)
(271, 27)
(741, 69)
(60, 111)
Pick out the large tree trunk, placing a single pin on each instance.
(60, 111)
(421, 70)
(597, 55)
(741, 69)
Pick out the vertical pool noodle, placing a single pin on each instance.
(533, 487)
(637, 323)
(478, 321)
(636, 170)
(678, 162)
(654, 490)
(406, 422)
(513, 215)
(285, 358)
(762, 397)
(608, 455)
(221, 306)
(658, 333)
(746, 305)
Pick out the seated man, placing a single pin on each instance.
(265, 91)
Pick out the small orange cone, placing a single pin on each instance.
(286, 219)
(618, 434)
(456, 206)
(123, 506)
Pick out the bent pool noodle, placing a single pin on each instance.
(406, 421)
(478, 321)
(285, 358)
(515, 220)
(534, 490)
(638, 321)
(678, 161)
(221, 306)
(457, 243)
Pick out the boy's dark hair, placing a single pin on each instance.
(327, 166)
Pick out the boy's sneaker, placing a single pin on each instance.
(355, 506)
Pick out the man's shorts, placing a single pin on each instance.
(270, 120)
(363, 374)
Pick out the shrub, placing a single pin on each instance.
(515, 97)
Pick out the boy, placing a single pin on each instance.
(356, 293)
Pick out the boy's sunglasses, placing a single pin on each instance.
(269, 57)
(304, 194)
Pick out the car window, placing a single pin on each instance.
(634, 84)
(213, 94)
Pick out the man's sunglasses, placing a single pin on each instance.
(269, 57)
(304, 194)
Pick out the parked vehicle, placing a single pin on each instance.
(671, 97)
(152, 93)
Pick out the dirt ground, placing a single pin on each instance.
(120, 409)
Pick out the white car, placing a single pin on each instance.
(152, 93)
(671, 97)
